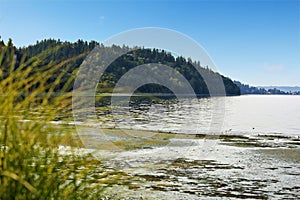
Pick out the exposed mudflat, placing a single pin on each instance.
(171, 166)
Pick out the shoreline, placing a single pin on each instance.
(158, 138)
(182, 166)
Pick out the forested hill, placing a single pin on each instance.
(246, 89)
(66, 58)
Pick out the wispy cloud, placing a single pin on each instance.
(273, 68)
(101, 19)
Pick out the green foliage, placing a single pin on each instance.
(186, 67)
(69, 56)
(246, 89)
(32, 164)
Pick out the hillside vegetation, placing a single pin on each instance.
(34, 160)
(247, 89)
(67, 57)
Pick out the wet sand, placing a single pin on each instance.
(180, 166)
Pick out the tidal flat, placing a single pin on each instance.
(160, 165)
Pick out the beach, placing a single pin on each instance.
(158, 165)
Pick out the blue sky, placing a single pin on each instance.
(256, 42)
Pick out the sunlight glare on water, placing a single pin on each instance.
(246, 114)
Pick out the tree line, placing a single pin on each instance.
(66, 58)
(247, 89)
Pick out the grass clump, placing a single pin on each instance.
(32, 166)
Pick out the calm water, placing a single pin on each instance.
(264, 167)
(248, 114)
